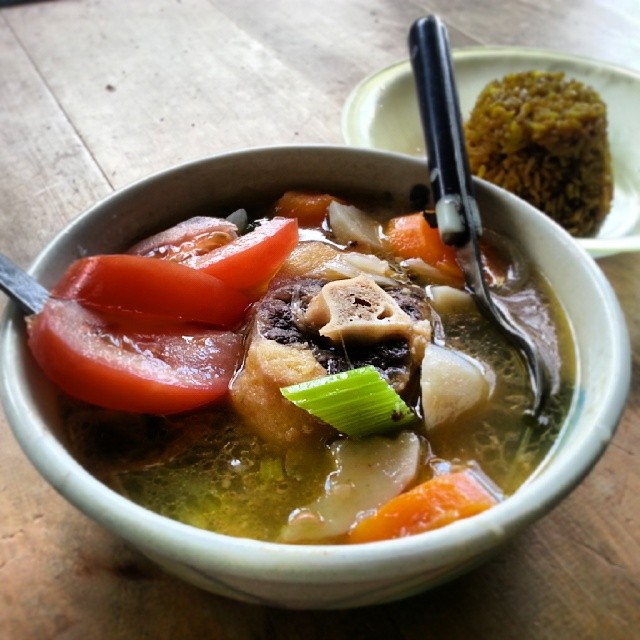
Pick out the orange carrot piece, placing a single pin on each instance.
(430, 505)
(309, 208)
(410, 236)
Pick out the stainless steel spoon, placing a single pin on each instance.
(452, 188)
(29, 294)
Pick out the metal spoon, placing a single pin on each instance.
(21, 287)
(452, 188)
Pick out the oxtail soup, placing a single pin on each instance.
(308, 371)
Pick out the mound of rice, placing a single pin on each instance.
(544, 138)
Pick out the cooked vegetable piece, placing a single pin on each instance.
(430, 505)
(358, 402)
(132, 366)
(367, 473)
(316, 259)
(410, 236)
(309, 208)
(451, 385)
(188, 239)
(447, 300)
(132, 284)
(351, 264)
(353, 227)
(427, 274)
(249, 262)
(246, 263)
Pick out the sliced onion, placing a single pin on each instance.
(428, 274)
(350, 226)
(351, 265)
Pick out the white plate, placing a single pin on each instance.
(381, 112)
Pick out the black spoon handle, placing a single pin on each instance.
(21, 287)
(439, 106)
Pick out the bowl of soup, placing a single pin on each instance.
(264, 371)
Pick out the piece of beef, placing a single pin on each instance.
(281, 317)
(284, 349)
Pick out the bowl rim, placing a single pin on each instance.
(241, 556)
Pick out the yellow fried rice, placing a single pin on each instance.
(544, 138)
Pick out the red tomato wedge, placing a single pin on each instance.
(158, 369)
(188, 239)
(249, 262)
(156, 288)
(252, 260)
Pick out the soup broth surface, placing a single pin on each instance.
(209, 469)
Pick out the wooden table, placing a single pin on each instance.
(95, 94)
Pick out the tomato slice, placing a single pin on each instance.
(188, 239)
(136, 285)
(162, 368)
(249, 262)
(252, 260)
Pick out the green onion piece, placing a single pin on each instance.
(358, 403)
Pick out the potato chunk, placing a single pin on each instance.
(451, 385)
(367, 474)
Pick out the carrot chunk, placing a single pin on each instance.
(410, 236)
(430, 505)
(309, 208)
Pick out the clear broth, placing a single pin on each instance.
(209, 470)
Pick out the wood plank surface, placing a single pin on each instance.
(95, 94)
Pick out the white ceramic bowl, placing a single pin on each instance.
(322, 576)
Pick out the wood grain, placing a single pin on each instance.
(48, 175)
(95, 94)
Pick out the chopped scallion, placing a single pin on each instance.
(358, 402)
